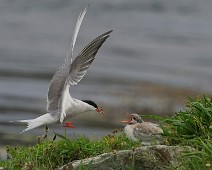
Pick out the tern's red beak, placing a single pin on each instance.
(99, 110)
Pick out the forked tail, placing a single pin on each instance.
(39, 121)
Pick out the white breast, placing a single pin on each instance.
(75, 107)
(129, 132)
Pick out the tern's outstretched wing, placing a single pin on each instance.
(79, 67)
(59, 78)
(84, 59)
(76, 31)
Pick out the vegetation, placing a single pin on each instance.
(192, 127)
(51, 154)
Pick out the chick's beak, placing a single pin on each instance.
(125, 121)
(128, 120)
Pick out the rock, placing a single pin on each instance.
(155, 157)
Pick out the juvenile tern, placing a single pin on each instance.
(138, 130)
(60, 104)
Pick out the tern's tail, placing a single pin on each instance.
(39, 121)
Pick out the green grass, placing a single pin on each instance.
(199, 159)
(194, 122)
(191, 127)
(51, 154)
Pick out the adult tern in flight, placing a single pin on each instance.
(60, 105)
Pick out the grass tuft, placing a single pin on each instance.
(51, 154)
(195, 122)
(191, 127)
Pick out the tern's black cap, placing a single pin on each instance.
(90, 103)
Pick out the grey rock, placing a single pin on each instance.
(157, 157)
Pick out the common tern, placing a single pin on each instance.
(138, 130)
(60, 104)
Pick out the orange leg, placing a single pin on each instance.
(68, 124)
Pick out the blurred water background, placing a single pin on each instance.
(159, 53)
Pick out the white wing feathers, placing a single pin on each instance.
(59, 78)
(84, 59)
(70, 73)
(76, 31)
(79, 67)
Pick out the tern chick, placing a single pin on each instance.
(138, 130)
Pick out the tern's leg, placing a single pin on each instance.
(68, 124)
